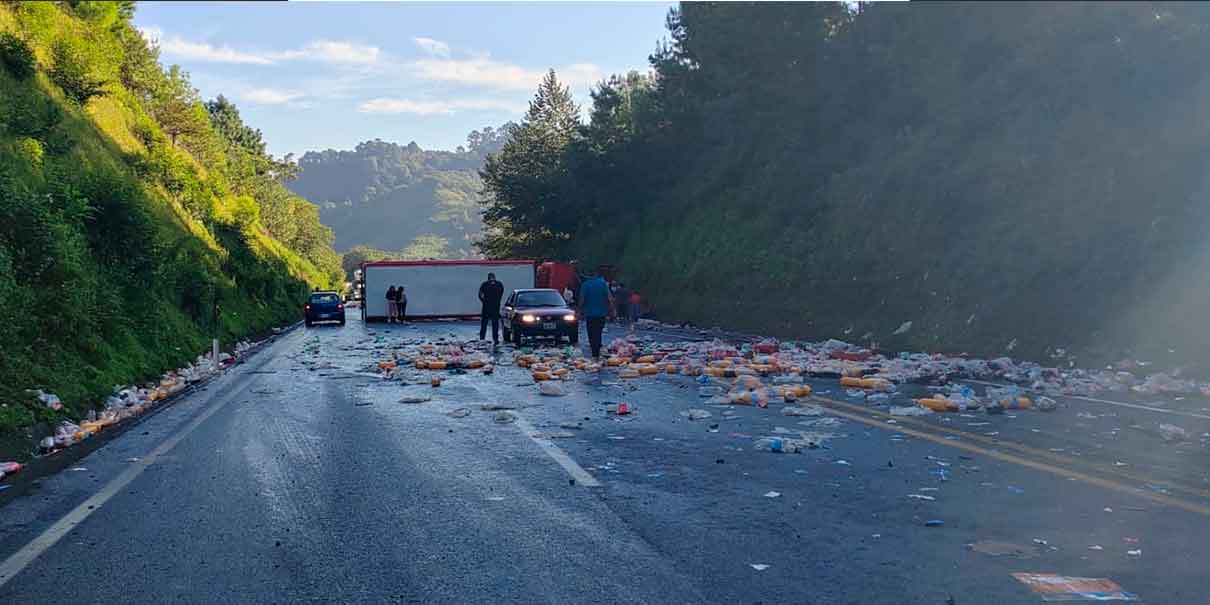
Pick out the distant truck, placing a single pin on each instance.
(438, 289)
(557, 276)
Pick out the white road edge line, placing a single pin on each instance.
(576, 471)
(22, 558)
(1106, 401)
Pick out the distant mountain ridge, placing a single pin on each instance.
(387, 196)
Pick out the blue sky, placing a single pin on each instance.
(314, 75)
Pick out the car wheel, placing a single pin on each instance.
(308, 323)
(508, 334)
(574, 338)
(517, 338)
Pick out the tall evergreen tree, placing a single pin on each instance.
(527, 212)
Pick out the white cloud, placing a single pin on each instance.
(269, 96)
(201, 51)
(437, 48)
(327, 51)
(385, 105)
(482, 71)
(331, 51)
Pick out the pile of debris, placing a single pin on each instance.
(130, 400)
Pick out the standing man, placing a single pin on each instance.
(594, 308)
(490, 293)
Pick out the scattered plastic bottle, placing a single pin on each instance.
(777, 445)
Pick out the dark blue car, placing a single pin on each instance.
(324, 306)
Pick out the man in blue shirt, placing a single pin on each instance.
(594, 308)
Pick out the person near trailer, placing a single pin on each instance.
(622, 301)
(613, 294)
(490, 293)
(392, 309)
(401, 304)
(634, 306)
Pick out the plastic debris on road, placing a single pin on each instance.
(619, 409)
(802, 410)
(551, 389)
(783, 445)
(910, 411)
(492, 407)
(128, 401)
(9, 468)
(1003, 549)
(1171, 432)
(1054, 587)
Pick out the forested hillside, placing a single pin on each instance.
(1006, 176)
(128, 209)
(386, 196)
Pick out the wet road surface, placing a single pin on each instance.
(299, 476)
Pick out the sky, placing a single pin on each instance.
(319, 75)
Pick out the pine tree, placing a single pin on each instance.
(553, 114)
(527, 213)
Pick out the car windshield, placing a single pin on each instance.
(324, 299)
(540, 298)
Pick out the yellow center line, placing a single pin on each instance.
(1022, 448)
(863, 416)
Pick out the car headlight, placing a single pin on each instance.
(569, 317)
(529, 319)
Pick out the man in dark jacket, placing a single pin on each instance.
(490, 293)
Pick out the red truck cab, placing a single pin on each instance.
(558, 276)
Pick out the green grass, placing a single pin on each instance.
(108, 278)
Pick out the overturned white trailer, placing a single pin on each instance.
(438, 289)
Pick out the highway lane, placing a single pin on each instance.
(298, 476)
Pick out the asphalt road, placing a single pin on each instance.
(299, 477)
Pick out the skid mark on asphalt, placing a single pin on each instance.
(557, 454)
(867, 417)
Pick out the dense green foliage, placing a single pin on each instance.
(391, 197)
(120, 231)
(1008, 176)
(17, 56)
(528, 216)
